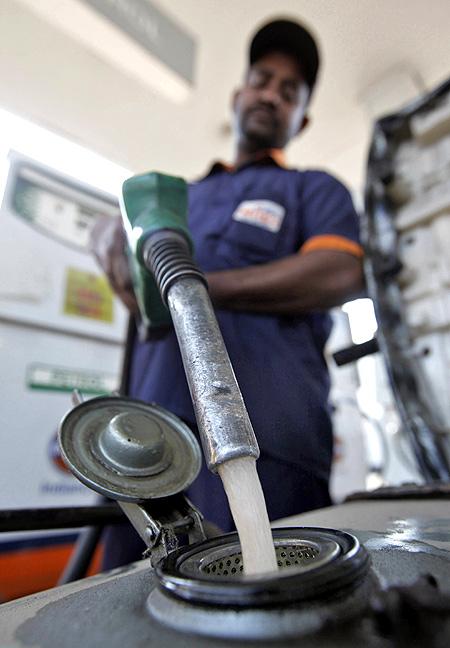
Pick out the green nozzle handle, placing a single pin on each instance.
(152, 202)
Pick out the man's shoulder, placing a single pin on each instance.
(320, 176)
(307, 179)
(314, 180)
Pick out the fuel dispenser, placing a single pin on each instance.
(61, 329)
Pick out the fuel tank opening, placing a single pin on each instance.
(323, 575)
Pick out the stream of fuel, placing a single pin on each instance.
(248, 508)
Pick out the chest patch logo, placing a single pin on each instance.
(262, 213)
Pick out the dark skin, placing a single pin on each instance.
(269, 111)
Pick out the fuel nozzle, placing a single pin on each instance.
(169, 285)
(154, 208)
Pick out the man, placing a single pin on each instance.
(279, 247)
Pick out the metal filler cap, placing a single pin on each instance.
(128, 450)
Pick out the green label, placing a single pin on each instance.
(52, 378)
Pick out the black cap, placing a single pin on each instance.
(290, 37)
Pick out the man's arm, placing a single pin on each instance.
(298, 283)
(313, 280)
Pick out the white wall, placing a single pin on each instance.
(56, 82)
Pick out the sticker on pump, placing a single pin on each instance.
(88, 295)
(262, 213)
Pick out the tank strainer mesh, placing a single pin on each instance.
(287, 556)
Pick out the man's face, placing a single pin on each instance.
(270, 108)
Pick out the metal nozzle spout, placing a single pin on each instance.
(222, 418)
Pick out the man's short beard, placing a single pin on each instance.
(258, 139)
(261, 140)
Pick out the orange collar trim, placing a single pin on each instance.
(278, 156)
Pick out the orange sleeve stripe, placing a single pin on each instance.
(332, 242)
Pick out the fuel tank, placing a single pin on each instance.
(400, 597)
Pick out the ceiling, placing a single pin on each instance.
(376, 55)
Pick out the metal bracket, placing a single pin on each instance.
(161, 522)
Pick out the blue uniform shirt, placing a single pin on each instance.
(256, 214)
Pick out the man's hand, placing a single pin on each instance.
(107, 243)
